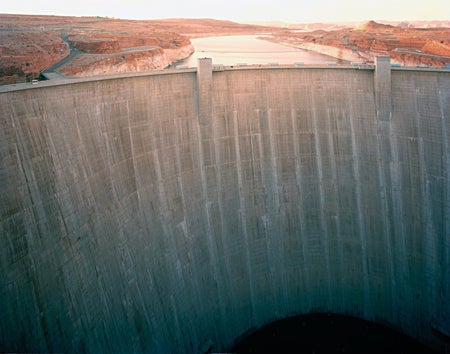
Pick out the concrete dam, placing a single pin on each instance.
(177, 211)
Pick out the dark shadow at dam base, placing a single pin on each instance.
(327, 333)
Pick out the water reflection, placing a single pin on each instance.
(232, 50)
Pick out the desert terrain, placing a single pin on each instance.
(405, 45)
(86, 46)
(32, 45)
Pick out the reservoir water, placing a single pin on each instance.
(248, 49)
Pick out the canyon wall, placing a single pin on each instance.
(131, 61)
(174, 212)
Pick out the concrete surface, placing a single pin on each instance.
(173, 213)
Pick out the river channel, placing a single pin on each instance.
(248, 49)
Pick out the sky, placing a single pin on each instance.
(291, 11)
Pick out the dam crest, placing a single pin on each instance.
(176, 211)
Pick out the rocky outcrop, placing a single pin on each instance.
(31, 45)
(135, 60)
(437, 47)
(99, 45)
(406, 46)
(335, 52)
(107, 43)
(374, 26)
(95, 45)
(24, 54)
(174, 54)
(118, 53)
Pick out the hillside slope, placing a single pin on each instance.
(96, 45)
(406, 46)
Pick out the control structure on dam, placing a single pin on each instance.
(174, 212)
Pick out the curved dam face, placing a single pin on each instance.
(176, 212)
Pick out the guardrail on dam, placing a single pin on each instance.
(175, 212)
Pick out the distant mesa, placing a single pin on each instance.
(374, 26)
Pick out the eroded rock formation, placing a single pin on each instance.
(84, 46)
(406, 46)
(25, 54)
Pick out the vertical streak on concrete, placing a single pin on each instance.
(205, 132)
(336, 218)
(133, 158)
(219, 195)
(168, 234)
(445, 294)
(383, 89)
(383, 104)
(401, 269)
(173, 307)
(276, 253)
(323, 224)
(267, 181)
(426, 209)
(360, 212)
(274, 244)
(204, 86)
(28, 174)
(383, 165)
(211, 244)
(133, 155)
(243, 215)
(298, 178)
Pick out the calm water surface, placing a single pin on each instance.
(233, 50)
